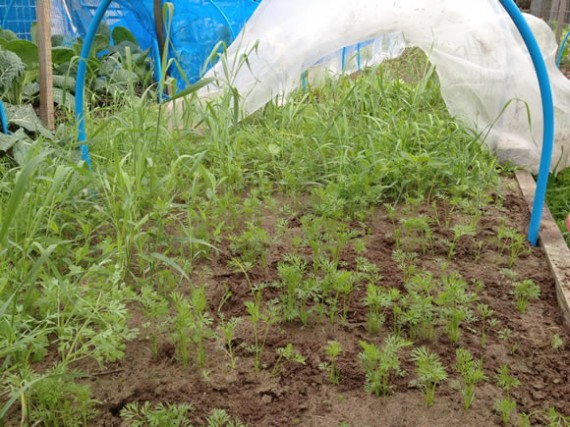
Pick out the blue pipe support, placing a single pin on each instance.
(80, 82)
(221, 12)
(81, 72)
(561, 49)
(157, 71)
(3, 118)
(304, 80)
(547, 116)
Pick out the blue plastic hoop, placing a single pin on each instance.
(561, 49)
(3, 118)
(547, 116)
(80, 81)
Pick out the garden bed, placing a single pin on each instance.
(301, 394)
(289, 269)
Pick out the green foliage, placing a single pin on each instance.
(191, 325)
(430, 372)
(506, 381)
(80, 251)
(471, 373)
(252, 244)
(11, 76)
(556, 419)
(261, 319)
(459, 230)
(454, 301)
(228, 329)
(287, 353)
(506, 407)
(557, 343)
(220, 418)
(557, 196)
(382, 364)
(161, 414)
(486, 313)
(333, 350)
(291, 272)
(524, 292)
(155, 309)
(376, 300)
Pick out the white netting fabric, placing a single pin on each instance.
(485, 71)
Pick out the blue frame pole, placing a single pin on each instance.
(561, 49)
(80, 82)
(547, 115)
(81, 72)
(3, 118)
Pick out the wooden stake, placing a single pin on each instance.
(561, 19)
(46, 78)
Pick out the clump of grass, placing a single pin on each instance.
(558, 201)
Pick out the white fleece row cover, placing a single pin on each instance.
(486, 75)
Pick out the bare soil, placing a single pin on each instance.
(302, 395)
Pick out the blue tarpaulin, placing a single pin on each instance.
(197, 26)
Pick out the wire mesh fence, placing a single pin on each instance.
(18, 16)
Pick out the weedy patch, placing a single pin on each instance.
(289, 268)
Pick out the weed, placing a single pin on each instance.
(49, 397)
